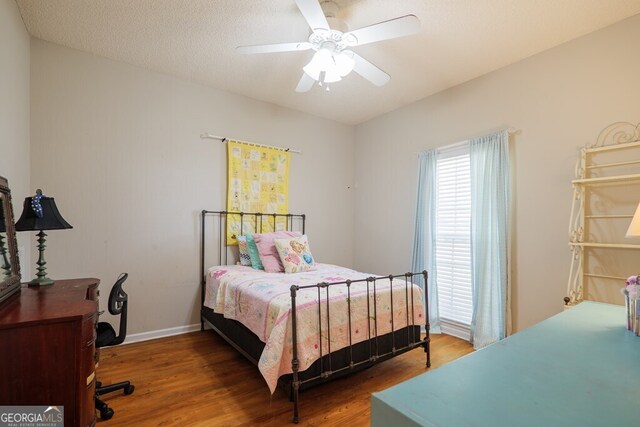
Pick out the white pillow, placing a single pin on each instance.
(295, 254)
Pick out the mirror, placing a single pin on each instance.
(9, 265)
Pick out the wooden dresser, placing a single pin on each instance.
(47, 348)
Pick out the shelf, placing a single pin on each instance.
(605, 245)
(612, 165)
(607, 179)
(605, 276)
(629, 216)
(622, 146)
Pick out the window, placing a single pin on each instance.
(453, 240)
(459, 186)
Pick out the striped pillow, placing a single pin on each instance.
(245, 259)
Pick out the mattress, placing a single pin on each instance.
(262, 303)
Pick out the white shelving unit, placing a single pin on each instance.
(606, 190)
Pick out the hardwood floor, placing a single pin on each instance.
(197, 379)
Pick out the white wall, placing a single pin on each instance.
(14, 110)
(559, 100)
(119, 149)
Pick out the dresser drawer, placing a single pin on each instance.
(88, 372)
(89, 365)
(89, 331)
(88, 388)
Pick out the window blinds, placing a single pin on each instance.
(453, 239)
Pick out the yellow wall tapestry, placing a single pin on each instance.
(258, 181)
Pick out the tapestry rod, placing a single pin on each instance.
(224, 139)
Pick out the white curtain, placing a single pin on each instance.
(490, 244)
(425, 233)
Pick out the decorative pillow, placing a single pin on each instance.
(245, 259)
(267, 249)
(254, 255)
(295, 254)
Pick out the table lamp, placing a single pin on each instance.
(41, 213)
(6, 266)
(634, 227)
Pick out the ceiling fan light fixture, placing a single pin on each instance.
(328, 66)
(329, 76)
(319, 63)
(344, 62)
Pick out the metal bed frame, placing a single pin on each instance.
(355, 357)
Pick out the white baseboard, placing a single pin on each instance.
(161, 333)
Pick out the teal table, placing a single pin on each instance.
(578, 368)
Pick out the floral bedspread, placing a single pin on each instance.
(262, 302)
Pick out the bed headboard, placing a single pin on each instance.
(216, 223)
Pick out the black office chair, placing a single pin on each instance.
(107, 337)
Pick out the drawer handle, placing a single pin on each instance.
(90, 378)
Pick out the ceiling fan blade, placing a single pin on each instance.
(305, 84)
(273, 48)
(369, 71)
(313, 13)
(398, 27)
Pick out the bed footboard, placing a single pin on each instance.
(413, 339)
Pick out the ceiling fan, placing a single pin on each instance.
(333, 58)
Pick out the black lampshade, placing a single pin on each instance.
(49, 220)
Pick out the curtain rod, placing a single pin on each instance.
(510, 131)
(225, 139)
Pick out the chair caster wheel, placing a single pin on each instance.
(101, 406)
(106, 414)
(129, 389)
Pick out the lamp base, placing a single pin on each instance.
(41, 281)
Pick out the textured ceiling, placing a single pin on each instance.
(195, 40)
